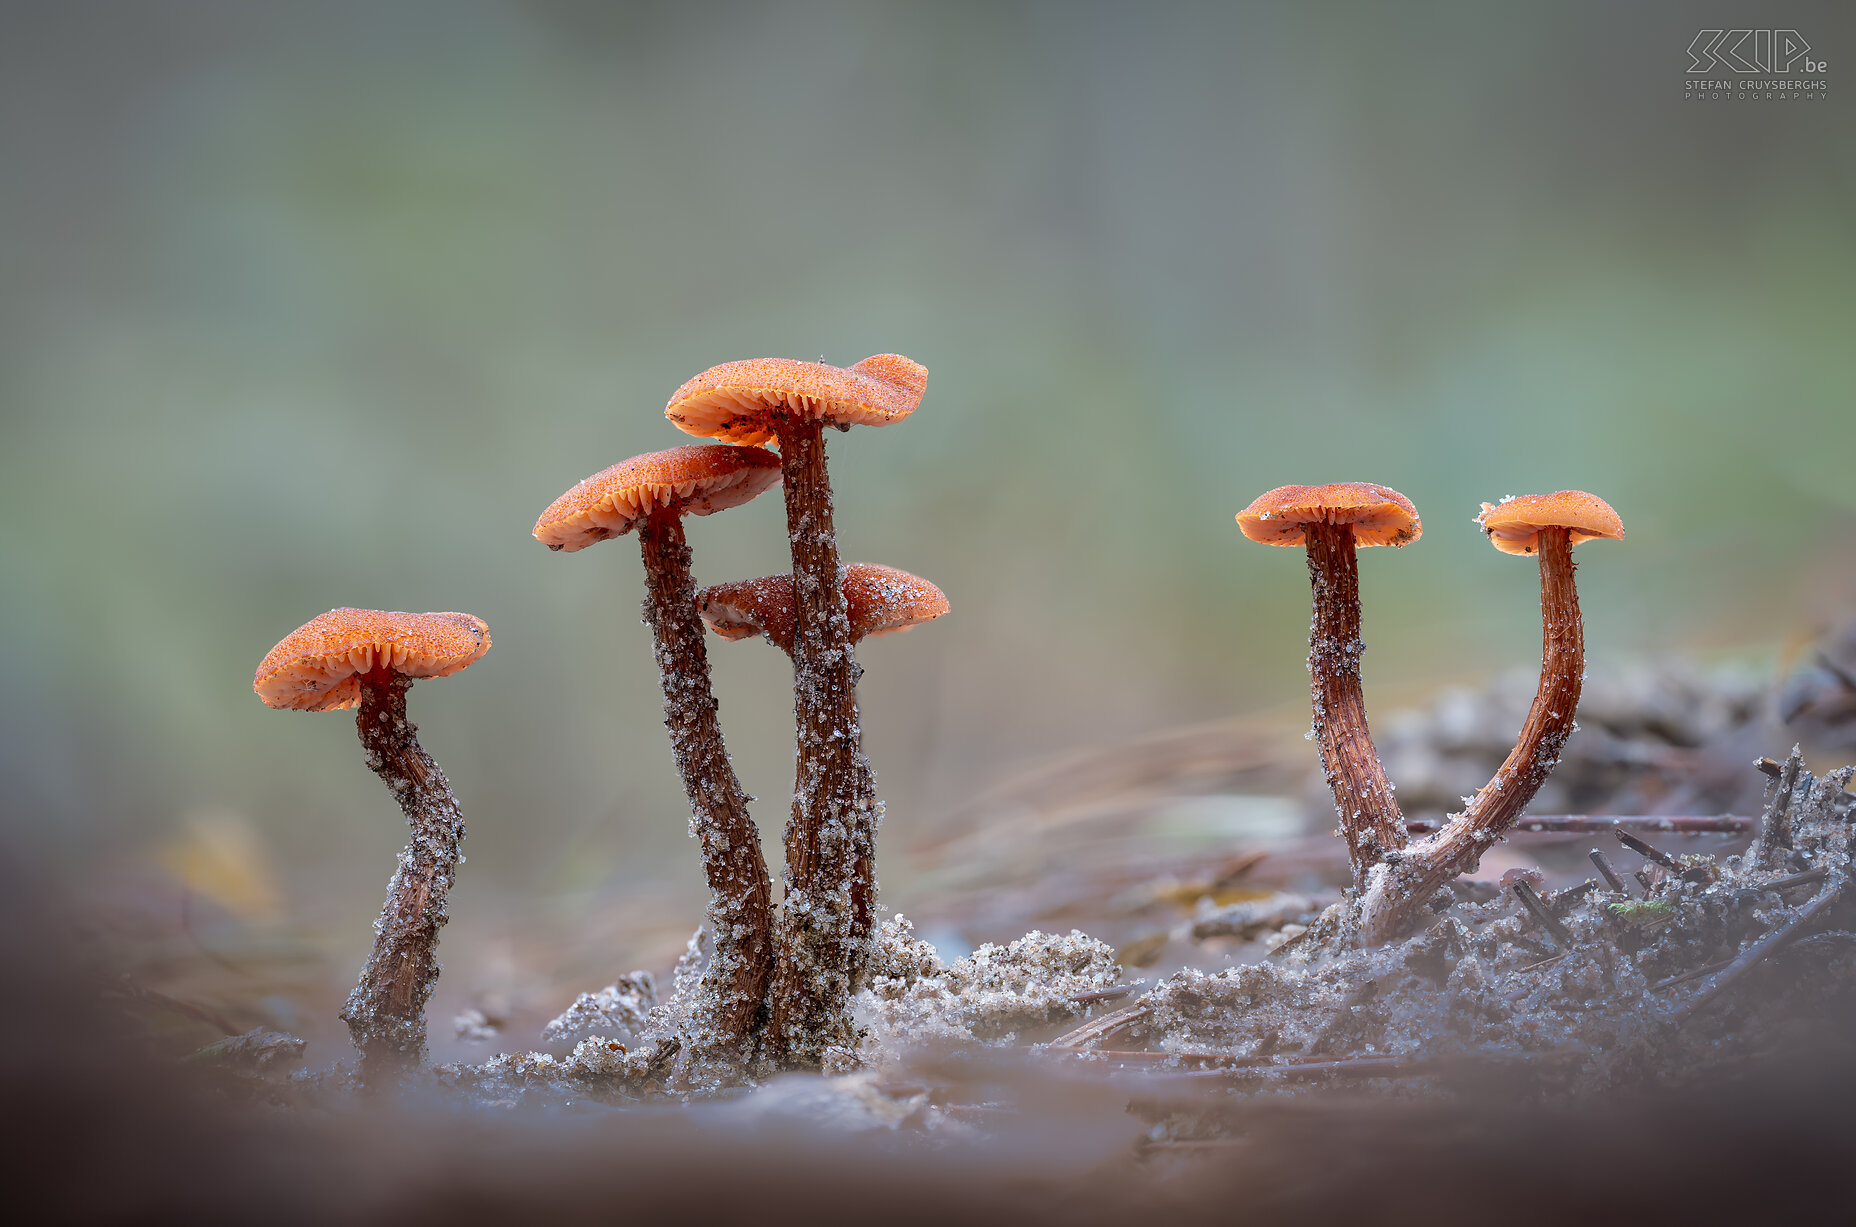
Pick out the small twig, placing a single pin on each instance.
(1223, 1064)
(1649, 852)
(1228, 1066)
(1610, 874)
(1546, 962)
(1685, 977)
(1361, 1067)
(1287, 942)
(1107, 994)
(1796, 879)
(1136, 1056)
(1236, 868)
(1214, 1146)
(903, 1090)
(1100, 1028)
(1764, 946)
(1524, 891)
(1574, 824)
(1775, 828)
(981, 1110)
(1643, 880)
(661, 1055)
(1562, 901)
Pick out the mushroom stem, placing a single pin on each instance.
(826, 919)
(1370, 821)
(740, 895)
(386, 1011)
(1397, 895)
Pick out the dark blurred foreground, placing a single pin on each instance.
(102, 1132)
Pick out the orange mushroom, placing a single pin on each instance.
(827, 920)
(887, 601)
(653, 493)
(1330, 522)
(879, 601)
(1548, 525)
(744, 608)
(696, 479)
(368, 658)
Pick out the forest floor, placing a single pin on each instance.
(1180, 1012)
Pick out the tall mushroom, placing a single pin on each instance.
(653, 493)
(825, 924)
(368, 658)
(1330, 522)
(1548, 525)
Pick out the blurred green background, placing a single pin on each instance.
(305, 305)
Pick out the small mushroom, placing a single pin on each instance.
(880, 600)
(1330, 521)
(368, 658)
(1548, 525)
(826, 925)
(653, 493)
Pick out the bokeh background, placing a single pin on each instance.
(305, 305)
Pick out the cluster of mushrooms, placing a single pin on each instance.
(777, 988)
(1394, 879)
(776, 992)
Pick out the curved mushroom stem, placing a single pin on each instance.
(1402, 889)
(740, 895)
(827, 917)
(386, 1011)
(1370, 821)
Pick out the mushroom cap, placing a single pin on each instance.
(739, 401)
(748, 607)
(317, 666)
(880, 600)
(884, 599)
(695, 479)
(1514, 524)
(1380, 515)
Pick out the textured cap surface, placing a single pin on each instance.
(739, 401)
(880, 600)
(749, 607)
(883, 599)
(1380, 515)
(316, 666)
(1514, 523)
(695, 479)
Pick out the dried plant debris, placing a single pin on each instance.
(618, 1011)
(257, 1052)
(1646, 735)
(1631, 990)
(1818, 698)
(991, 996)
(599, 1069)
(1250, 919)
(1717, 962)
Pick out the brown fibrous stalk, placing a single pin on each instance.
(1412, 876)
(386, 1011)
(1370, 821)
(827, 918)
(740, 894)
